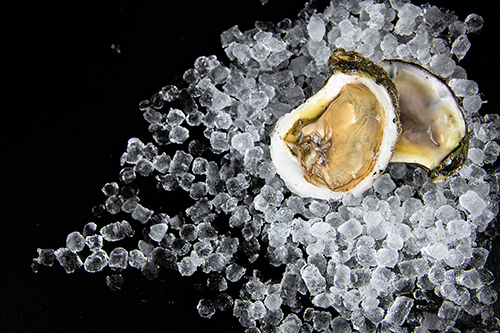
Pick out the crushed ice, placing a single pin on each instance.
(406, 253)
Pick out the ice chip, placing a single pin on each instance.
(491, 152)
(322, 230)
(442, 65)
(113, 232)
(437, 251)
(206, 308)
(178, 134)
(487, 295)
(158, 231)
(458, 229)
(472, 103)
(257, 310)
(446, 213)
(340, 325)
(352, 299)
(118, 259)
(399, 310)
(472, 202)
(469, 278)
(235, 272)
(384, 185)
(219, 142)
(474, 23)
(175, 117)
(241, 142)
(460, 46)
(342, 276)
(350, 229)
(448, 311)
(75, 242)
(68, 260)
(455, 258)
(387, 257)
(464, 87)
(180, 163)
(321, 320)
(136, 259)
(186, 266)
(258, 100)
(316, 28)
(313, 279)
(223, 121)
(96, 261)
(323, 300)
(115, 282)
(141, 213)
(291, 324)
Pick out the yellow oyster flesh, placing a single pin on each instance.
(338, 148)
(342, 138)
(434, 130)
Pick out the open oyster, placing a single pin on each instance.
(434, 130)
(342, 138)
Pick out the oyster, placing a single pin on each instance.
(434, 130)
(342, 138)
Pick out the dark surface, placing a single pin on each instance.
(69, 105)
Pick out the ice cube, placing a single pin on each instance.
(414, 268)
(175, 117)
(340, 325)
(384, 185)
(219, 142)
(399, 310)
(118, 259)
(464, 87)
(448, 311)
(469, 278)
(473, 203)
(178, 135)
(235, 272)
(350, 229)
(316, 28)
(258, 100)
(68, 260)
(141, 213)
(387, 257)
(115, 282)
(474, 23)
(342, 276)
(487, 295)
(241, 142)
(158, 231)
(442, 65)
(257, 310)
(75, 242)
(460, 46)
(206, 308)
(313, 279)
(96, 261)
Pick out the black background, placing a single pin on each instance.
(68, 107)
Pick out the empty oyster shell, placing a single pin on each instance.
(342, 138)
(434, 130)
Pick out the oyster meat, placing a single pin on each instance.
(434, 130)
(342, 138)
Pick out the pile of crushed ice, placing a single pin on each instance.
(407, 255)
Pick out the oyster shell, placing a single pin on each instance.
(434, 130)
(342, 138)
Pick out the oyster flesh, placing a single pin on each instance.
(342, 138)
(434, 130)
